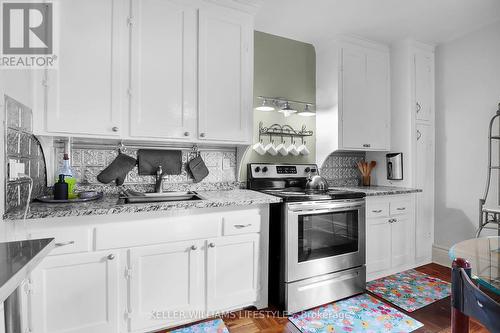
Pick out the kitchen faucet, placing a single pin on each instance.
(159, 180)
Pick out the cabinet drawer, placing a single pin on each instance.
(234, 224)
(400, 207)
(66, 241)
(377, 209)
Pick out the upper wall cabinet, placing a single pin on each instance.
(83, 96)
(154, 70)
(163, 71)
(364, 99)
(352, 96)
(424, 85)
(225, 75)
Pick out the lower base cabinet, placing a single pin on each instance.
(75, 293)
(232, 271)
(164, 283)
(390, 235)
(212, 262)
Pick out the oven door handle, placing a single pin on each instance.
(326, 210)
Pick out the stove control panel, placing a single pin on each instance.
(282, 170)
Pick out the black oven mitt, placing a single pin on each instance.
(117, 170)
(198, 169)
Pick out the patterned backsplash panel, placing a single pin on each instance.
(87, 163)
(22, 146)
(340, 168)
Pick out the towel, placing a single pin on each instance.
(150, 159)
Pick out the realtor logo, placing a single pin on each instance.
(27, 35)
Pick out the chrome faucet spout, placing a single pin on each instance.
(159, 180)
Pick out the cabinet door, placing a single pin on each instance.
(225, 75)
(401, 240)
(75, 293)
(365, 99)
(425, 201)
(164, 279)
(378, 245)
(424, 86)
(163, 79)
(83, 95)
(232, 271)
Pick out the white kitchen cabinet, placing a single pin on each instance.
(352, 97)
(225, 75)
(424, 169)
(390, 228)
(378, 244)
(424, 85)
(75, 293)
(163, 69)
(364, 99)
(232, 271)
(84, 95)
(165, 279)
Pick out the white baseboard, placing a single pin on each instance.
(440, 255)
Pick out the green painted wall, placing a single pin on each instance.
(282, 68)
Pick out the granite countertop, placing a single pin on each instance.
(378, 190)
(111, 204)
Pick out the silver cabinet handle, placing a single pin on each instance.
(194, 247)
(419, 135)
(111, 256)
(202, 135)
(64, 243)
(115, 129)
(211, 245)
(367, 145)
(377, 211)
(240, 226)
(419, 107)
(401, 208)
(186, 133)
(392, 220)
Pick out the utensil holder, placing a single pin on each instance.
(366, 180)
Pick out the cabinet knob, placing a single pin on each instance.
(115, 129)
(111, 256)
(202, 135)
(211, 245)
(194, 247)
(367, 145)
(186, 133)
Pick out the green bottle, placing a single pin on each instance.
(68, 176)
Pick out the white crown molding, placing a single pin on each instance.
(249, 6)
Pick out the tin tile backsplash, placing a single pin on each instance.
(22, 146)
(87, 163)
(340, 168)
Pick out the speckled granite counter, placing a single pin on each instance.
(378, 190)
(111, 204)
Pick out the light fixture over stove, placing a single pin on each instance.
(285, 106)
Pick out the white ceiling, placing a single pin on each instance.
(431, 21)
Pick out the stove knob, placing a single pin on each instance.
(257, 169)
(307, 170)
(264, 169)
(313, 170)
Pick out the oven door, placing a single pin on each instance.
(323, 237)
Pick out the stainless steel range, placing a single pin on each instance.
(317, 238)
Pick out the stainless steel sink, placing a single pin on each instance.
(138, 197)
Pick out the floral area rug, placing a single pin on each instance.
(410, 290)
(362, 313)
(212, 326)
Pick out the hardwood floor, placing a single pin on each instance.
(435, 317)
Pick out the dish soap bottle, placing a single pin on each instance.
(69, 179)
(61, 189)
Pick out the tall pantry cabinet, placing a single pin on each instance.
(412, 133)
